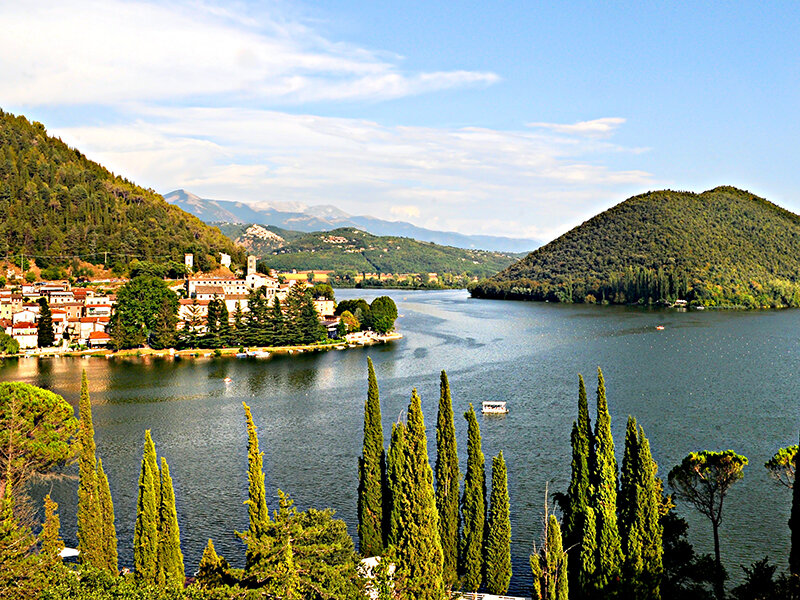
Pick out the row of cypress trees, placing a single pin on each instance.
(612, 520)
(436, 541)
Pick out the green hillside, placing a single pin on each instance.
(722, 247)
(55, 205)
(349, 249)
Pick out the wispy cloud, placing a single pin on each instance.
(476, 180)
(115, 51)
(595, 128)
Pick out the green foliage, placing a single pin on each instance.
(57, 203)
(447, 483)
(213, 569)
(609, 543)
(170, 557)
(323, 290)
(36, 431)
(145, 306)
(371, 473)
(109, 532)
(794, 526)
(722, 247)
(169, 270)
(349, 321)
(704, 479)
(364, 252)
(50, 542)
(146, 536)
(550, 565)
(45, 337)
(90, 519)
(257, 494)
(304, 556)
(8, 345)
(686, 575)
(419, 550)
(383, 313)
(783, 465)
(20, 570)
(395, 468)
(498, 539)
(473, 508)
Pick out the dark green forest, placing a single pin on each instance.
(723, 247)
(364, 252)
(57, 205)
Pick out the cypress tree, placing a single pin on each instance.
(419, 549)
(447, 482)
(395, 473)
(256, 493)
(170, 557)
(580, 488)
(629, 480)
(473, 507)
(794, 526)
(498, 540)
(277, 324)
(50, 542)
(212, 571)
(90, 522)
(109, 532)
(45, 337)
(648, 567)
(550, 565)
(587, 572)
(145, 535)
(609, 543)
(371, 473)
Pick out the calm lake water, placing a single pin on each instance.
(709, 380)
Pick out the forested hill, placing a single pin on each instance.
(56, 204)
(722, 247)
(349, 249)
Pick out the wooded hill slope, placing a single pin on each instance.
(56, 204)
(722, 247)
(349, 249)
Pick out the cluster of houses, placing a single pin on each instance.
(81, 316)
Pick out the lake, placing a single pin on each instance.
(709, 380)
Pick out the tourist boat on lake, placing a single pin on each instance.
(494, 408)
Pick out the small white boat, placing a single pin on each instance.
(660, 327)
(494, 408)
(227, 380)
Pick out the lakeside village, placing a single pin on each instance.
(248, 314)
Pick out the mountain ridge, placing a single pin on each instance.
(327, 217)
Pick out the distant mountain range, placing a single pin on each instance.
(724, 247)
(326, 218)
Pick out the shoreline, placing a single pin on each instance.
(250, 351)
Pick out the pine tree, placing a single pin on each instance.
(277, 324)
(794, 526)
(447, 483)
(473, 507)
(164, 332)
(224, 327)
(311, 328)
(580, 488)
(419, 550)
(371, 473)
(257, 492)
(90, 522)
(609, 543)
(109, 532)
(212, 571)
(19, 566)
(395, 473)
(550, 565)
(50, 542)
(145, 536)
(498, 540)
(45, 337)
(626, 505)
(170, 558)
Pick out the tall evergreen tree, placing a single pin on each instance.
(212, 571)
(580, 488)
(371, 473)
(145, 535)
(50, 542)
(794, 526)
(419, 550)
(550, 565)
(587, 573)
(90, 522)
(19, 566)
(473, 507)
(277, 324)
(609, 543)
(170, 558)
(45, 337)
(498, 539)
(164, 333)
(109, 532)
(311, 328)
(224, 325)
(395, 473)
(257, 492)
(626, 502)
(447, 482)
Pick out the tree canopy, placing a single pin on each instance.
(142, 306)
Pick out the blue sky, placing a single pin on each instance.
(500, 118)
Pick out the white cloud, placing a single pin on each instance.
(594, 128)
(475, 180)
(117, 51)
